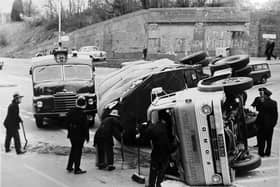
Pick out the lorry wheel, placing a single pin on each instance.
(242, 72)
(39, 122)
(236, 62)
(217, 64)
(222, 82)
(251, 162)
(193, 58)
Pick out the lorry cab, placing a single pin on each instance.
(57, 82)
(209, 124)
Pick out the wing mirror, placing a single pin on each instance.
(157, 92)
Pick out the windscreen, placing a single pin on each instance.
(48, 73)
(77, 72)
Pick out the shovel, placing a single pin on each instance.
(137, 177)
(26, 141)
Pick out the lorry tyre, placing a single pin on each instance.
(236, 62)
(252, 161)
(39, 122)
(242, 72)
(228, 84)
(194, 58)
(217, 64)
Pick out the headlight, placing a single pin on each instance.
(216, 179)
(90, 101)
(39, 104)
(206, 109)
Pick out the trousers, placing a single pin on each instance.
(15, 135)
(105, 154)
(264, 141)
(157, 171)
(75, 154)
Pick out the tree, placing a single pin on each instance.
(29, 8)
(17, 10)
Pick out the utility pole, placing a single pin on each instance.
(59, 21)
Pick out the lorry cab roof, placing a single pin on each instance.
(50, 60)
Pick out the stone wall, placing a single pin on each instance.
(166, 32)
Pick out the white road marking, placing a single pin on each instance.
(257, 179)
(45, 175)
(266, 168)
(270, 158)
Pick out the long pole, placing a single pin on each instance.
(59, 21)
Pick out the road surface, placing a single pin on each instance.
(44, 164)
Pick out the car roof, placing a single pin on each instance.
(49, 60)
(257, 62)
(88, 46)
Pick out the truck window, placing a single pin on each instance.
(191, 78)
(77, 72)
(47, 73)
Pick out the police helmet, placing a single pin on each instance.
(81, 102)
(114, 113)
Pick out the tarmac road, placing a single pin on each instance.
(36, 169)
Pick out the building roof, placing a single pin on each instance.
(199, 15)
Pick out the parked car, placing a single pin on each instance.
(240, 65)
(1, 64)
(93, 52)
(129, 89)
(57, 82)
(260, 72)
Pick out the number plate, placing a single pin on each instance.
(62, 114)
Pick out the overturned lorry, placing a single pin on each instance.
(209, 123)
(128, 90)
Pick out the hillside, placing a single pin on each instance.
(23, 40)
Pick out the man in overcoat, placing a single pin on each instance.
(78, 133)
(266, 120)
(11, 124)
(103, 140)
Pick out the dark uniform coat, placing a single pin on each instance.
(12, 119)
(265, 122)
(77, 125)
(109, 127)
(103, 141)
(78, 132)
(161, 149)
(11, 123)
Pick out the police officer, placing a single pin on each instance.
(103, 140)
(266, 120)
(158, 134)
(11, 124)
(78, 132)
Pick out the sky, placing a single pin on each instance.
(6, 5)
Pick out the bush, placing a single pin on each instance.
(3, 40)
(36, 21)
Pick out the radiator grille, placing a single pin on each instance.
(64, 102)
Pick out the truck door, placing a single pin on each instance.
(191, 78)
